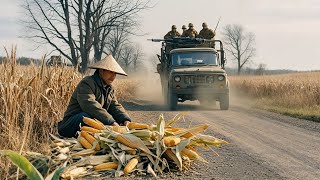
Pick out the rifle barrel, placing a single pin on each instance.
(217, 24)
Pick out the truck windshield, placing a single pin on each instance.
(194, 58)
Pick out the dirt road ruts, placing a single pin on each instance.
(263, 145)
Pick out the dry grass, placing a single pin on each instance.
(291, 94)
(32, 101)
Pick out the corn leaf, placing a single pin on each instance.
(85, 152)
(55, 175)
(176, 118)
(175, 156)
(151, 171)
(160, 125)
(187, 133)
(119, 156)
(158, 152)
(156, 166)
(182, 144)
(138, 143)
(124, 147)
(93, 160)
(23, 163)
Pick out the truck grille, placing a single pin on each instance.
(199, 79)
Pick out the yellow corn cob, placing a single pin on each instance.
(119, 129)
(89, 129)
(85, 143)
(145, 133)
(133, 125)
(192, 155)
(130, 166)
(94, 123)
(91, 139)
(105, 166)
(132, 152)
(99, 122)
(125, 141)
(189, 153)
(172, 129)
(171, 141)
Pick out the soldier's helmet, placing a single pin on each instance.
(204, 25)
(173, 27)
(184, 27)
(190, 25)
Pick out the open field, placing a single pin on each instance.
(33, 99)
(296, 95)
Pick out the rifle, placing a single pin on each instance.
(217, 25)
(181, 40)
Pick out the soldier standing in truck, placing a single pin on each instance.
(173, 33)
(206, 33)
(183, 28)
(191, 32)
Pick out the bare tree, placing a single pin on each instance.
(137, 57)
(120, 22)
(73, 27)
(131, 56)
(117, 40)
(239, 43)
(261, 69)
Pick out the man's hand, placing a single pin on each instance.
(126, 123)
(114, 124)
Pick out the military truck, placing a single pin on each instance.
(193, 69)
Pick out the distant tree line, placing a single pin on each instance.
(131, 59)
(257, 71)
(23, 61)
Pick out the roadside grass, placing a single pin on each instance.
(296, 95)
(32, 100)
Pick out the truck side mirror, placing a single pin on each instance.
(159, 68)
(222, 57)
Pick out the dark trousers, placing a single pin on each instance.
(69, 127)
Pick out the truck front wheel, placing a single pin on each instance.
(172, 100)
(224, 102)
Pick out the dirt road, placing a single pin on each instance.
(263, 145)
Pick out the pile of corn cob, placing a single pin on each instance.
(136, 147)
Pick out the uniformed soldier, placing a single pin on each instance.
(173, 33)
(183, 28)
(192, 33)
(206, 33)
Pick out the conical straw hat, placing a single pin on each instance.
(108, 63)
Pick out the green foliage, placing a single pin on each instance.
(30, 171)
(23, 164)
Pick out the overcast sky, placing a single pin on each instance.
(287, 31)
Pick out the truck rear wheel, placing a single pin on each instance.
(172, 100)
(224, 102)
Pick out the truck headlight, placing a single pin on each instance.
(177, 78)
(209, 79)
(221, 77)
